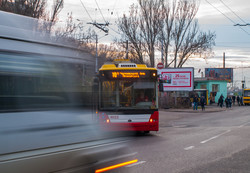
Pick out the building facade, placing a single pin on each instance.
(215, 88)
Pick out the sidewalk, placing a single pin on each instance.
(208, 109)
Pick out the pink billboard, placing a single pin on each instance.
(177, 79)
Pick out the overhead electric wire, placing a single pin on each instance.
(101, 12)
(86, 11)
(244, 47)
(114, 30)
(96, 24)
(113, 10)
(232, 11)
(227, 17)
(220, 11)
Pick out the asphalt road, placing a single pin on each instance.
(196, 142)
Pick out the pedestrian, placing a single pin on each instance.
(238, 100)
(195, 102)
(233, 99)
(229, 102)
(221, 100)
(241, 101)
(226, 101)
(202, 102)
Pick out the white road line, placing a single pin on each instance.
(214, 137)
(137, 163)
(189, 148)
(243, 125)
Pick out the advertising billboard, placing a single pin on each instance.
(219, 74)
(177, 79)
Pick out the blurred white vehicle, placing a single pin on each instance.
(46, 110)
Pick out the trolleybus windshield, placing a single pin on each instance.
(246, 93)
(127, 94)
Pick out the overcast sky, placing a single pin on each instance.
(214, 15)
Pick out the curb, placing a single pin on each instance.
(193, 111)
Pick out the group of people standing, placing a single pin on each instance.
(202, 101)
(230, 100)
(239, 100)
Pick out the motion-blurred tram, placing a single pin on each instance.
(46, 115)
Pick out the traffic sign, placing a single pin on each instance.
(160, 65)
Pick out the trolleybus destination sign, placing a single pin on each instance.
(128, 74)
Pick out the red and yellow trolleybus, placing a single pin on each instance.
(128, 97)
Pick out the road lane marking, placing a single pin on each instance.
(214, 137)
(243, 125)
(137, 163)
(189, 148)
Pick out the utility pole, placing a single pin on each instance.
(96, 54)
(162, 60)
(127, 49)
(101, 26)
(224, 60)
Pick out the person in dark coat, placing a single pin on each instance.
(241, 101)
(226, 101)
(221, 101)
(233, 98)
(195, 102)
(202, 102)
(238, 100)
(229, 102)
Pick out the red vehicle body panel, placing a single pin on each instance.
(151, 125)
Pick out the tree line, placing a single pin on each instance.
(170, 27)
(151, 25)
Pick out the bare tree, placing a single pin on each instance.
(129, 26)
(35, 9)
(165, 35)
(180, 33)
(150, 23)
(195, 42)
(56, 8)
(141, 28)
(186, 11)
(32, 8)
(71, 29)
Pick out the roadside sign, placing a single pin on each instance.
(177, 79)
(160, 65)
